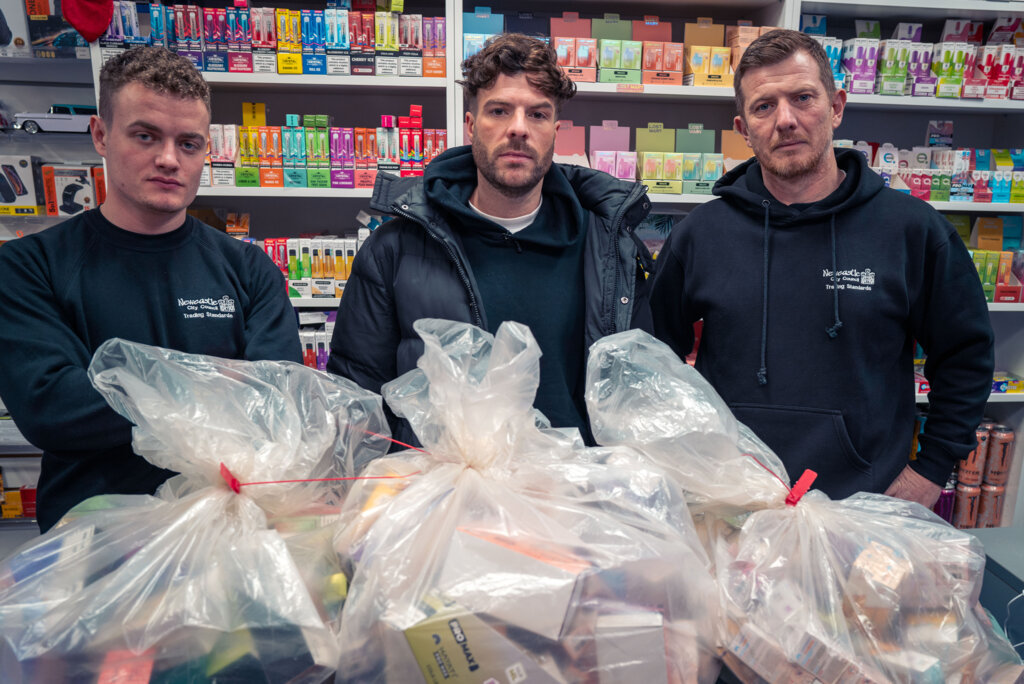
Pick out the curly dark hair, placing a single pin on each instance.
(778, 46)
(513, 54)
(156, 68)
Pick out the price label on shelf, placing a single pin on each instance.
(629, 87)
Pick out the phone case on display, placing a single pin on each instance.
(6, 191)
(15, 180)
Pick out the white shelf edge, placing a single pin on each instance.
(938, 6)
(1006, 306)
(306, 80)
(855, 101)
(905, 101)
(314, 302)
(1002, 207)
(1006, 398)
(939, 206)
(227, 191)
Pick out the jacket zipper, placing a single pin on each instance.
(617, 223)
(455, 260)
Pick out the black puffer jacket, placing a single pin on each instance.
(414, 267)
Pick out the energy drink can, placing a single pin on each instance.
(990, 506)
(1000, 455)
(944, 505)
(965, 506)
(971, 469)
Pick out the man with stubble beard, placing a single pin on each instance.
(495, 232)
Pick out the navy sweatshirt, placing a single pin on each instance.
(66, 290)
(534, 277)
(815, 354)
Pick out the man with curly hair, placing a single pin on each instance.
(138, 268)
(494, 232)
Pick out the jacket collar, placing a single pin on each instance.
(616, 201)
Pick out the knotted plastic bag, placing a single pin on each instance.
(192, 584)
(515, 554)
(864, 589)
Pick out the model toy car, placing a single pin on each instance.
(63, 118)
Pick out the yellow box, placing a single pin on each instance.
(289, 63)
(651, 165)
(11, 507)
(698, 58)
(254, 114)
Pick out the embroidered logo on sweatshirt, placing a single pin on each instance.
(207, 307)
(850, 279)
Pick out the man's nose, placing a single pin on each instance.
(785, 116)
(168, 154)
(517, 124)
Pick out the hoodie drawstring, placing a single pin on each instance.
(762, 373)
(509, 237)
(833, 330)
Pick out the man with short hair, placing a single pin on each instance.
(137, 268)
(496, 232)
(814, 281)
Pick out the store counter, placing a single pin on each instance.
(1004, 579)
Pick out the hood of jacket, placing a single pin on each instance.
(743, 187)
(609, 198)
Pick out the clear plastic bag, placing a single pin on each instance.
(192, 584)
(864, 589)
(515, 553)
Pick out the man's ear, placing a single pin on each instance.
(469, 126)
(98, 131)
(740, 126)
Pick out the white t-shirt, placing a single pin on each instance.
(512, 225)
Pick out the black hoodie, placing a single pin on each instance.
(817, 356)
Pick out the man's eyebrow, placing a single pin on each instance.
(540, 104)
(141, 123)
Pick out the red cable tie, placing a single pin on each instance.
(236, 486)
(232, 481)
(770, 471)
(391, 439)
(801, 487)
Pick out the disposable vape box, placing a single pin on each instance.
(68, 189)
(625, 165)
(440, 641)
(815, 24)
(21, 186)
(631, 55)
(610, 56)
(860, 61)
(651, 165)
(603, 160)
(565, 51)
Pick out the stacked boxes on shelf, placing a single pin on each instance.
(363, 41)
(960, 65)
(309, 152)
(32, 187)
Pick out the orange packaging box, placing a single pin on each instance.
(741, 34)
(673, 57)
(704, 32)
(365, 178)
(434, 67)
(271, 177)
(565, 51)
(581, 74)
(586, 52)
(67, 189)
(654, 56)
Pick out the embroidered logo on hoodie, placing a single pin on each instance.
(850, 279)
